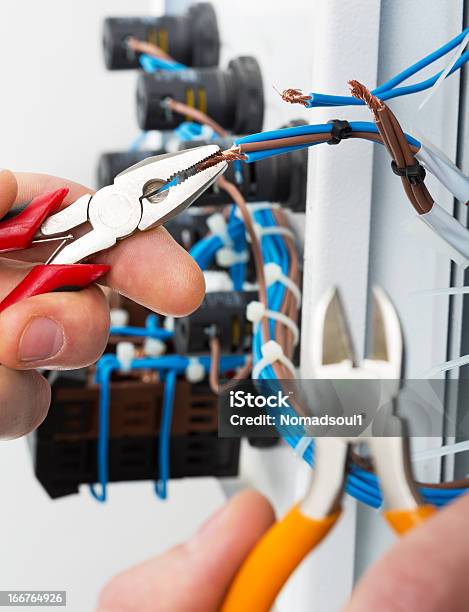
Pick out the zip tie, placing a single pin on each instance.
(272, 231)
(302, 446)
(217, 225)
(125, 353)
(273, 274)
(271, 353)
(227, 257)
(341, 129)
(195, 371)
(256, 311)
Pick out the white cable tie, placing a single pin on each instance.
(273, 230)
(441, 451)
(195, 371)
(119, 317)
(125, 353)
(302, 446)
(273, 274)
(227, 257)
(255, 311)
(218, 226)
(168, 324)
(271, 353)
(154, 347)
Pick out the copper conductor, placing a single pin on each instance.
(358, 90)
(229, 155)
(295, 96)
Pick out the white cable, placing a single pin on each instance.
(447, 365)
(302, 446)
(448, 235)
(443, 291)
(442, 168)
(255, 311)
(273, 274)
(441, 451)
(439, 82)
(430, 155)
(271, 353)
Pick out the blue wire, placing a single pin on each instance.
(104, 369)
(151, 64)
(388, 90)
(362, 485)
(165, 434)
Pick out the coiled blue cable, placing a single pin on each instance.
(362, 485)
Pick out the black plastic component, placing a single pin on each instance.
(341, 129)
(232, 97)
(61, 466)
(415, 174)
(191, 39)
(187, 229)
(263, 442)
(112, 164)
(222, 313)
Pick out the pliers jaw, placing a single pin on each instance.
(176, 182)
(333, 353)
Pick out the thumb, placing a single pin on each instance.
(193, 576)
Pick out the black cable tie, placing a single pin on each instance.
(415, 174)
(341, 129)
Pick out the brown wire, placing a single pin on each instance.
(395, 141)
(143, 46)
(214, 372)
(197, 115)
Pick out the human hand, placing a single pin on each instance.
(70, 330)
(425, 571)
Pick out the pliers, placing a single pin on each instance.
(142, 197)
(284, 546)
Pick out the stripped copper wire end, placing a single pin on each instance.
(293, 96)
(229, 155)
(358, 90)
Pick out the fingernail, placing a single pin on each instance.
(42, 339)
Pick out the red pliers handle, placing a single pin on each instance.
(18, 234)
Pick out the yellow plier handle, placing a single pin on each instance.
(404, 520)
(272, 561)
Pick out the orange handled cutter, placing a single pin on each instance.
(284, 546)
